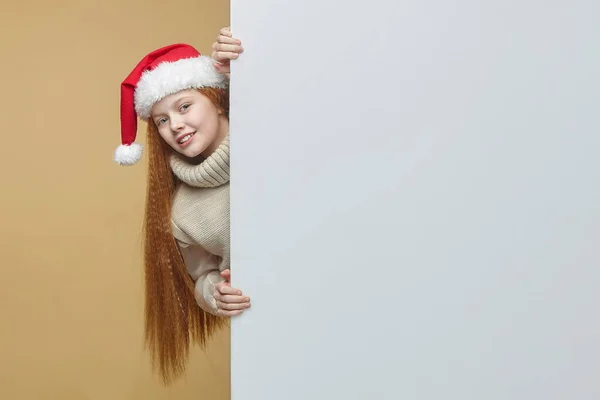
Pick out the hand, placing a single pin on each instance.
(230, 301)
(225, 49)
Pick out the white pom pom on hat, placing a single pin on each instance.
(129, 154)
(162, 72)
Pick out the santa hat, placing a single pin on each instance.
(163, 72)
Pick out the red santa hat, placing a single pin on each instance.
(163, 72)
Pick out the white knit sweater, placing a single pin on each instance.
(200, 220)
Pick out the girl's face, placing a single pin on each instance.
(189, 122)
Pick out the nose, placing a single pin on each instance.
(176, 124)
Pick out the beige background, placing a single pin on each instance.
(71, 298)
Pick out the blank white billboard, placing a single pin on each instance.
(416, 200)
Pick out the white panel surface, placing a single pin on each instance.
(416, 200)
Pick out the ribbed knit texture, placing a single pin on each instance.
(200, 215)
(212, 172)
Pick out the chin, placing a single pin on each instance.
(193, 151)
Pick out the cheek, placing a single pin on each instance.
(201, 120)
(206, 120)
(165, 134)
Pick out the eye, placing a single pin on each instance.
(161, 121)
(184, 107)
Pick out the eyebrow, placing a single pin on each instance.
(187, 97)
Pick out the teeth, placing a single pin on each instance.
(185, 139)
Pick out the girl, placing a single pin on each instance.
(183, 96)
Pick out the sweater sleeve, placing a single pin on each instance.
(203, 267)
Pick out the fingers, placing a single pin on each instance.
(225, 31)
(227, 298)
(226, 36)
(228, 40)
(227, 48)
(222, 288)
(227, 294)
(232, 306)
(224, 56)
(226, 274)
(230, 301)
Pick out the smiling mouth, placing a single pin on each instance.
(186, 138)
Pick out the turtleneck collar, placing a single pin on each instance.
(212, 172)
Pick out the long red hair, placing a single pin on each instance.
(173, 319)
